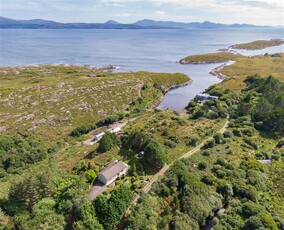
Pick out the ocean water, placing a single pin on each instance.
(131, 50)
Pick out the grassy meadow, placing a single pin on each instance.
(247, 66)
(50, 101)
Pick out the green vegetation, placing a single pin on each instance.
(110, 211)
(45, 175)
(108, 141)
(210, 58)
(249, 66)
(226, 174)
(52, 101)
(19, 151)
(260, 44)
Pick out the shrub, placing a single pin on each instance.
(202, 165)
(208, 179)
(228, 134)
(192, 141)
(220, 173)
(218, 138)
(165, 133)
(221, 161)
(90, 175)
(81, 130)
(237, 132)
(170, 144)
(206, 153)
(209, 144)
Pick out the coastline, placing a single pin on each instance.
(216, 71)
(156, 105)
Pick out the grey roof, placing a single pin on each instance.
(113, 169)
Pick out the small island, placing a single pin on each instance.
(210, 58)
(259, 44)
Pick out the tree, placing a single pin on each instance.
(218, 138)
(32, 189)
(137, 141)
(182, 221)
(108, 141)
(154, 156)
(192, 141)
(110, 212)
(90, 175)
(202, 165)
(4, 219)
(88, 219)
(253, 223)
(209, 144)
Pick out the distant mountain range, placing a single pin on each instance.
(7, 23)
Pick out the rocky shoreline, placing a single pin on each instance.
(216, 72)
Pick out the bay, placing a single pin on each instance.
(131, 50)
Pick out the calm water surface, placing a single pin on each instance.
(131, 50)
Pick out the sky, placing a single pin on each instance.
(258, 12)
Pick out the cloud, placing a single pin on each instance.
(268, 12)
(159, 12)
(123, 15)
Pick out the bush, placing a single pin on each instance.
(192, 141)
(202, 165)
(170, 144)
(237, 132)
(165, 133)
(253, 223)
(81, 130)
(220, 173)
(208, 179)
(228, 134)
(221, 161)
(218, 138)
(206, 153)
(110, 119)
(251, 142)
(209, 144)
(90, 175)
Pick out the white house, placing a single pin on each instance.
(115, 129)
(112, 171)
(204, 97)
(99, 136)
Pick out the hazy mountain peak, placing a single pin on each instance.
(112, 22)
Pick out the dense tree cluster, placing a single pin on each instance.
(18, 151)
(110, 211)
(108, 141)
(42, 202)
